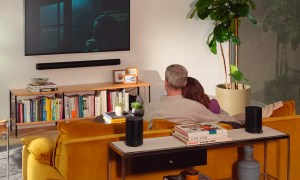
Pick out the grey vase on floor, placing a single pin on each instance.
(248, 168)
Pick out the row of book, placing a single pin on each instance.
(51, 108)
(200, 133)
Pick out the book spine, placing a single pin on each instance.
(126, 101)
(97, 105)
(208, 132)
(41, 89)
(200, 137)
(216, 140)
(42, 86)
(115, 120)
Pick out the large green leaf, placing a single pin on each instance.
(240, 10)
(203, 4)
(213, 46)
(214, 15)
(252, 19)
(222, 33)
(251, 4)
(235, 73)
(203, 13)
(211, 43)
(235, 40)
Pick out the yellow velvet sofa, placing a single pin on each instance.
(80, 152)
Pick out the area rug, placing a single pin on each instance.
(15, 162)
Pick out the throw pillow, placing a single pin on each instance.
(40, 147)
(287, 109)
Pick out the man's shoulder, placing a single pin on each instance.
(192, 102)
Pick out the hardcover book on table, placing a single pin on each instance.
(205, 141)
(194, 137)
(200, 129)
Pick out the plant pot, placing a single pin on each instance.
(138, 112)
(118, 110)
(233, 101)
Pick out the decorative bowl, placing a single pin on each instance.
(39, 81)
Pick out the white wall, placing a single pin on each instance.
(161, 34)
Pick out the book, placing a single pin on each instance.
(47, 85)
(41, 89)
(112, 115)
(200, 129)
(206, 141)
(119, 120)
(201, 137)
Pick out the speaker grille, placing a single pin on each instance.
(77, 64)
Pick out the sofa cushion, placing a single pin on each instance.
(40, 147)
(287, 109)
(162, 124)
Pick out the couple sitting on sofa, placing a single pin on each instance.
(186, 102)
(183, 104)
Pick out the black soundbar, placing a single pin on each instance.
(76, 64)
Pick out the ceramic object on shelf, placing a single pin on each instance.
(119, 110)
(39, 81)
(138, 112)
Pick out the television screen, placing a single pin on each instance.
(75, 26)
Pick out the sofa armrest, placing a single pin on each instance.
(25, 154)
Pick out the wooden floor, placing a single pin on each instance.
(43, 131)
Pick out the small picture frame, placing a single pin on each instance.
(130, 79)
(118, 76)
(132, 70)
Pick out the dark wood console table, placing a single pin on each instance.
(162, 144)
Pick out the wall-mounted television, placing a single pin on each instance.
(76, 26)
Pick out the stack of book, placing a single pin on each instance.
(111, 117)
(49, 86)
(201, 133)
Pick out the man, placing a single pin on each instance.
(173, 107)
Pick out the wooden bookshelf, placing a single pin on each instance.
(80, 88)
(61, 90)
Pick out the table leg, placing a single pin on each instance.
(123, 168)
(288, 158)
(7, 136)
(265, 159)
(108, 163)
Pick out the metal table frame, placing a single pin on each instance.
(269, 134)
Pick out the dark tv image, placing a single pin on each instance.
(76, 26)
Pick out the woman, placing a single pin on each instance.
(193, 90)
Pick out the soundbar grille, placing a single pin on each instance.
(77, 64)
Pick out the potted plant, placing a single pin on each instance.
(137, 108)
(225, 16)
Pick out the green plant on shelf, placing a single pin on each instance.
(136, 105)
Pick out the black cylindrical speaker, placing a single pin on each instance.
(253, 122)
(134, 131)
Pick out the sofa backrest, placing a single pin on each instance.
(84, 128)
(82, 155)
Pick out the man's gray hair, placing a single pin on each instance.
(176, 76)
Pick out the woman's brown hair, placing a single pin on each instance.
(193, 90)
